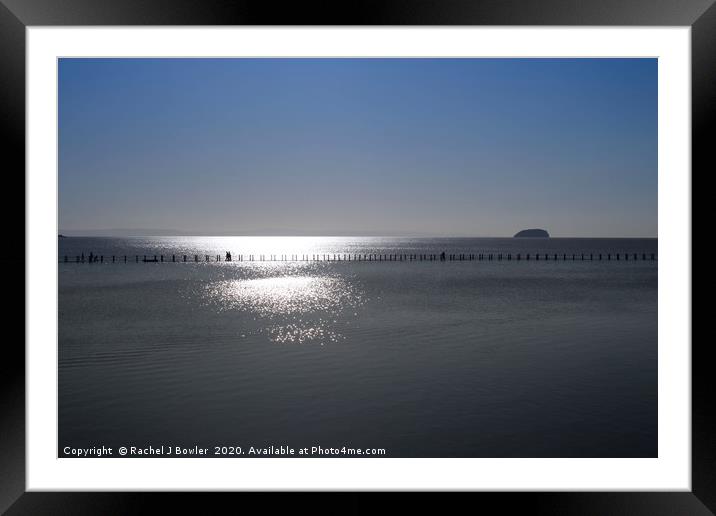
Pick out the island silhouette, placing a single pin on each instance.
(532, 233)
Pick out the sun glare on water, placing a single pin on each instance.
(292, 308)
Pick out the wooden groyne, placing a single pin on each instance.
(346, 257)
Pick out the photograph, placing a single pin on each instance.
(357, 257)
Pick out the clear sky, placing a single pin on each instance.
(435, 147)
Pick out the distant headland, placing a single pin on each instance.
(532, 233)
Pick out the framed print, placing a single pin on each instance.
(408, 248)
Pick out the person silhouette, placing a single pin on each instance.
(228, 256)
(442, 256)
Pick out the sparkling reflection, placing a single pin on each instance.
(290, 308)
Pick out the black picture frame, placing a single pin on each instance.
(16, 15)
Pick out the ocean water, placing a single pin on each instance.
(420, 358)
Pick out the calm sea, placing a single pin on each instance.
(420, 358)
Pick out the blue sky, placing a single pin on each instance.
(451, 147)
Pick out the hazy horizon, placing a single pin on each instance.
(120, 233)
(358, 147)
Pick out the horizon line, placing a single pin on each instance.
(93, 234)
